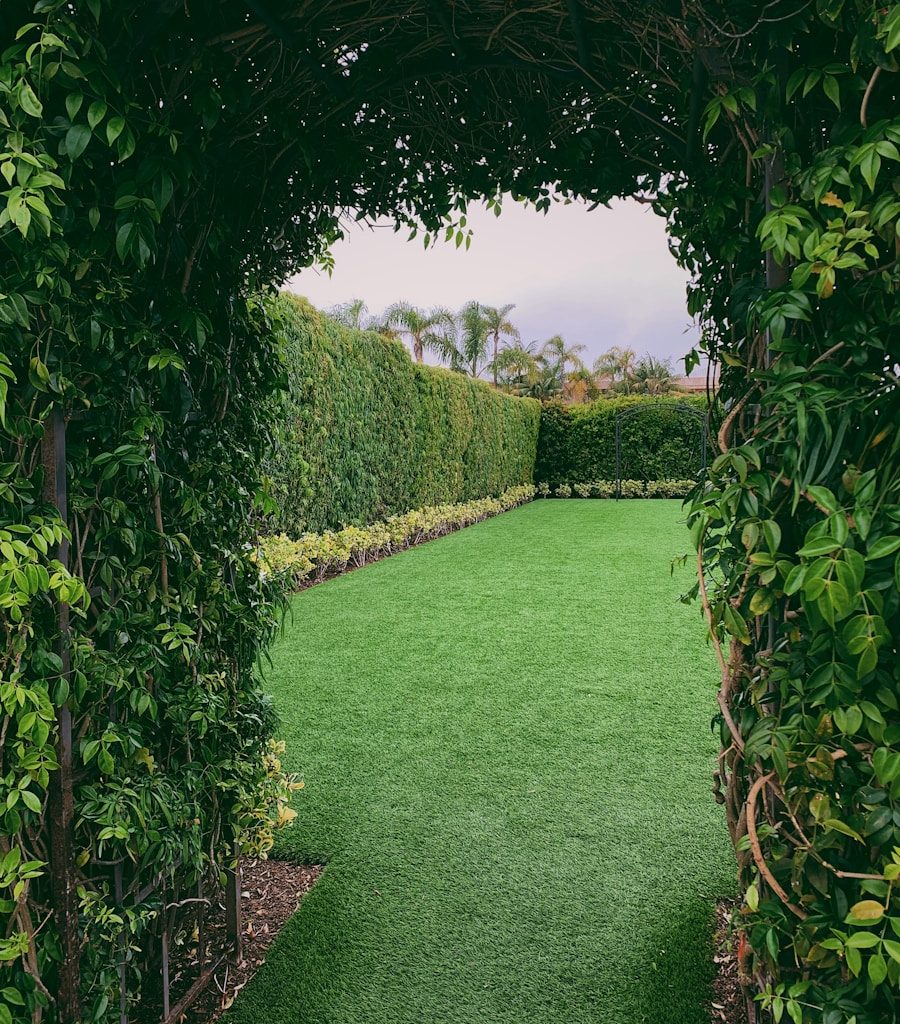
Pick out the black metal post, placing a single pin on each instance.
(618, 457)
(233, 905)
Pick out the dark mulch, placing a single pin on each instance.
(271, 891)
(728, 1005)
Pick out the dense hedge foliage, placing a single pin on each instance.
(313, 557)
(368, 433)
(660, 440)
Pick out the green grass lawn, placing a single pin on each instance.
(506, 745)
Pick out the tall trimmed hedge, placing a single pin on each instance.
(367, 433)
(660, 440)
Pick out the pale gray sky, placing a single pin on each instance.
(600, 278)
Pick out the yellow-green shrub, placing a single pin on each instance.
(314, 556)
(629, 489)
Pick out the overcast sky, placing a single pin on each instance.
(599, 278)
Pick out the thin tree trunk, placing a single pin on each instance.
(496, 346)
(418, 350)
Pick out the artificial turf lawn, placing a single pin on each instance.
(506, 746)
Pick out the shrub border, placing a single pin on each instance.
(607, 489)
(315, 557)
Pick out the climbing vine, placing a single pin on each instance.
(170, 761)
(798, 527)
(162, 163)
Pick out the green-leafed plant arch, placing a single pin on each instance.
(161, 163)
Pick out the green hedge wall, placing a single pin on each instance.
(660, 441)
(367, 433)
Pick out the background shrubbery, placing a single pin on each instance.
(659, 442)
(367, 433)
(628, 489)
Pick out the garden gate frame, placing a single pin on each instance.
(679, 407)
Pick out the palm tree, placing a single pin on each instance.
(616, 363)
(544, 385)
(499, 324)
(516, 365)
(466, 348)
(653, 376)
(561, 357)
(353, 314)
(426, 329)
(581, 386)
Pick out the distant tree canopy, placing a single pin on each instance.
(163, 162)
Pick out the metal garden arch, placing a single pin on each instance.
(678, 407)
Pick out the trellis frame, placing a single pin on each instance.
(682, 408)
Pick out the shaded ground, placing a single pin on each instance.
(505, 740)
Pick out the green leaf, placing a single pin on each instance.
(832, 90)
(794, 580)
(854, 959)
(869, 167)
(877, 969)
(824, 497)
(890, 29)
(28, 101)
(77, 138)
(114, 128)
(736, 625)
(883, 547)
(752, 897)
(73, 104)
(886, 763)
(96, 113)
(836, 825)
(31, 801)
(848, 720)
(819, 546)
(772, 533)
(125, 236)
(761, 601)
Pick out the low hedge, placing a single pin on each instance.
(368, 433)
(629, 489)
(661, 440)
(316, 556)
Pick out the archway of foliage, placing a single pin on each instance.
(162, 162)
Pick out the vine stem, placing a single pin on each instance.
(758, 857)
(864, 106)
(723, 665)
(724, 430)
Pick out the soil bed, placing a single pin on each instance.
(728, 1005)
(271, 891)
